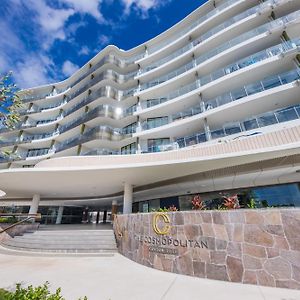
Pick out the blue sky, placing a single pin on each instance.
(44, 41)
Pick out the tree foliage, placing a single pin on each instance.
(10, 101)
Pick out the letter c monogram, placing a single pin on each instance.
(166, 229)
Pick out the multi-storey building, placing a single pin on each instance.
(210, 105)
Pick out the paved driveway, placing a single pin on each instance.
(116, 277)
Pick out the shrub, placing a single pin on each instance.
(32, 293)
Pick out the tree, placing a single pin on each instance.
(10, 101)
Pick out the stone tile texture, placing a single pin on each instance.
(247, 246)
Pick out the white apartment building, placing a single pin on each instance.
(210, 106)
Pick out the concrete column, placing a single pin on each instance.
(104, 216)
(207, 130)
(59, 215)
(98, 217)
(128, 192)
(114, 209)
(34, 204)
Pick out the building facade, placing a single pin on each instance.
(210, 106)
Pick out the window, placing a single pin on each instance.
(156, 145)
(129, 149)
(156, 122)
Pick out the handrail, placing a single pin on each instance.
(37, 217)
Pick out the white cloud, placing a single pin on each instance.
(69, 68)
(33, 71)
(104, 39)
(86, 7)
(143, 5)
(84, 51)
(29, 69)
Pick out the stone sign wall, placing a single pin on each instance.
(249, 246)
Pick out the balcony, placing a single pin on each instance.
(243, 63)
(102, 132)
(210, 33)
(234, 95)
(230, 44)
(260, 121)
(202, 19)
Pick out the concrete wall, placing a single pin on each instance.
(249, 246)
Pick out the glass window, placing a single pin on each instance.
(191, 140)
(266, 120)
(233, 129)
(181, 142)
(217, 133)
(238, 94)
(280, 195)
(254, 88)
(286, 115)
(201, 138)
(271, 82)
(129, 129)
(155, 145)
(156, 122)
(250, 124)
(129, 149)
(224, 99)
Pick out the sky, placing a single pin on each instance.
(45, 41)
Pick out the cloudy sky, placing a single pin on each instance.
(44, 41)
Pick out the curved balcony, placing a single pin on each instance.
(243, 63)
(224, 26)
(237, 94)
(260, 121)
(108, 74)
(227, 5)
(99, 132)
(100, 111)
(230, 44)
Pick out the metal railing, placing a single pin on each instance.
(230, 44)
(27, 217)
(243, 63)
(208, 34)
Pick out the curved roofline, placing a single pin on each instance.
(122, 52)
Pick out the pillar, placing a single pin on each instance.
(34, 204)
(98, 217)
(207, 130)
(127, 205)
(59, 215)
(114, 209)
(104, 216)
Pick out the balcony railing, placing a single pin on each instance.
(237, 94)
(210, 33)
(93, 133)
(243, 63)
(207, 16)
(230, 44)
(266, 119)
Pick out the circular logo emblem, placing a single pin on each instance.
(165, 219)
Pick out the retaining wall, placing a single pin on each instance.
(247, 246)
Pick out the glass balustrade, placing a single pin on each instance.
(243, 63)
(230, 44)
(207, 35)
(38, 152)
(237, 94)
(266, 119)
(207, 16)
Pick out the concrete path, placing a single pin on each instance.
(114, 278)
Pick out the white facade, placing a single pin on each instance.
(226, 76)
